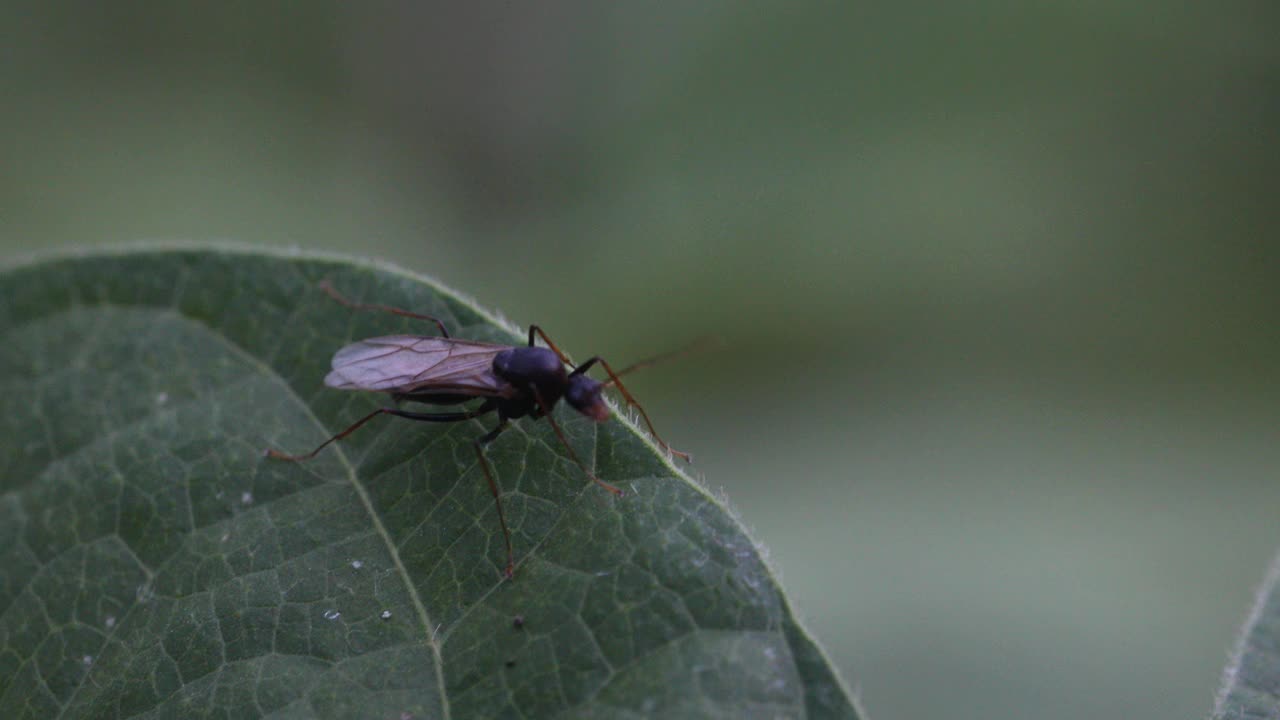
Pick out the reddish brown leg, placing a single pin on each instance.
(326, 286)
(273, 453)
(493, 488)
(616, 382)
(565, 441)
(631, 402)
(535, 330)
(426, 417)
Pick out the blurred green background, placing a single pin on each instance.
(997, 282)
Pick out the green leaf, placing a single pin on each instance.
(154, 564)
(1251, 683)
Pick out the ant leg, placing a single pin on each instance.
(326, 286)
(273, 453)
(546, 411)
(480, 444)
(486, 407)
(616, 381)
(535, 330)
(630, 399)
(448, 417)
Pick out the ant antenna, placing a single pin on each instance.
(703, 343)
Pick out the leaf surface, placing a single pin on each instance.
(154, 564)
(1251, 684)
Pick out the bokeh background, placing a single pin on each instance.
(997, 283)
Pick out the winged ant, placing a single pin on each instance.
(513, 381)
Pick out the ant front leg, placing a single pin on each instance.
(631, 401)
(546, 412)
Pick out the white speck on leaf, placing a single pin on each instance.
(332, 614)
(110, 622)
(246, 498)
(87, 660)
(386, 615)
(357, 564)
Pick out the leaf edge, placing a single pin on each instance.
(30, 260)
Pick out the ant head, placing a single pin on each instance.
(584, 394)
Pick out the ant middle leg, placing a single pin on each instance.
(480, 444)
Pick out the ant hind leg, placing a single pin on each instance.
(328, 288)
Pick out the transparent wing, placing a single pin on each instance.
(408, 363)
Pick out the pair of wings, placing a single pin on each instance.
(415, 363)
